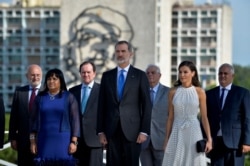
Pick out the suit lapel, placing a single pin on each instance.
(25, 97)
(129, 79)
(113, 82)
(229, 94)
(158, 93)
(217, 96)
(78, 95)
(92, 96)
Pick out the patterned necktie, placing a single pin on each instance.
(121, 81)
(85, 97)
(32, 98)
(221, 98)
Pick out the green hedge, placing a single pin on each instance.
(8, 154)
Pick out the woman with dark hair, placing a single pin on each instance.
(183, 130)
(54, 123)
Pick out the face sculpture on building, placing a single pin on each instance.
(93, 35)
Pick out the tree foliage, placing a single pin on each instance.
(242, 76)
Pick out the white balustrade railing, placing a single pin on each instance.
(4, 162)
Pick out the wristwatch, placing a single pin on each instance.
(74, 142)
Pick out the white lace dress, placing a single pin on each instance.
(186, 131)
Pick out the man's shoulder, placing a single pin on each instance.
(239, 88)
(136, 69)
(96, 84)
(164, 86)
(22, 88)
(76, 87)
(109, 71)
(212, 89)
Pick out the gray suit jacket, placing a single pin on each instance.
(158, 119)
(89, 118)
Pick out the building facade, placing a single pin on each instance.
(64, 33)
(27, 35)
(203, 35)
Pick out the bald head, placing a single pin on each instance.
(34, 75)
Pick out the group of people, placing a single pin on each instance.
(131, 115)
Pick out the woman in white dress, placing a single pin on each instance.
(186, 100)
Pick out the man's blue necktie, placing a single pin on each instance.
(121, 81)
(85, 97)
(152, 95)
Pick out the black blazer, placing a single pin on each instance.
(133, 111)
(19, 117)
(235, 116)
(88, 120)
(2, 122)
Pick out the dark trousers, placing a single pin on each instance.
(25, 157)
(121, 152)
(88, 156)
(224, 156)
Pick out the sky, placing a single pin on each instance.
(241, 29)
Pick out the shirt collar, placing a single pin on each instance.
(90, 85)
(227, 87)
(37, 87)
(126, 68)
(155, 88)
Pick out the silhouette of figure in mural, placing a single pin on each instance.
(93, 34)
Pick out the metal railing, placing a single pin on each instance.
(4, 162)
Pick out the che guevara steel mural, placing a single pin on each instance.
(93, 34)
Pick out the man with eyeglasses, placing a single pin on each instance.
(152, 150)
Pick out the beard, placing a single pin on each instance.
(122, 60)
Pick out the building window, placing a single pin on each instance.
(15, 60)
(37, 13)
(174, 42)
(203, 13)
(14, 78)
(212, 51)
(183, 51)
(193, 13)
(47, 13)
(28, 13)
(175, 13)
(213, 13)
(189, 22)
(174, 51)
(18, 13)
(174, 32)
(203, 51)
(174, 23)
(193, 51)
(15, 41)
(188, 41)
(184, 13)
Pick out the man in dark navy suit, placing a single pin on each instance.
(228, 109)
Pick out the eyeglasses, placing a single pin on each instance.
(151, 72)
